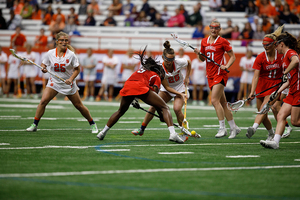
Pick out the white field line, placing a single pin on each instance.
(137, 145)
(297, 160)
(175, 153)
(113, 150)
(144, 171)
(243, 156)
(28, 106)
(4, 144)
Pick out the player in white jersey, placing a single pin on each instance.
(198, 78)
(13, 74)
(109, 77)
(246, 64)
(62, 62)
(174, 79)
(30, 71)
(89, 73)
(182, 55)
(3, 60)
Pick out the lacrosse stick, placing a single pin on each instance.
(184, 44)
(185, 123)
(136, 105)
(26, 60)
(237, 105)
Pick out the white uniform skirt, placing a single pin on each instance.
(63, 88)
(247, 77)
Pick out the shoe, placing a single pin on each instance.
(250, 132)
(94, 128)
(234, 132)
(101, 135)
(271, 144)
(194, 103)
(139, 132)
(271, 136)
(201, 103)
(183, 137)
(176, 138)
(221, 133)
(98, 98)
(32, 128)
(287, 132)
(91, 98)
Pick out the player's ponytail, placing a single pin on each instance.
(168, 49)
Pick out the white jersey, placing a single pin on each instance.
(110, 75)
(199, 72)
(129, 61)
(62, 67)
(175, 78)
(13, 71)
(247, 64)
(3, 58)
(89, 74)
(29, 69)
(183, 71)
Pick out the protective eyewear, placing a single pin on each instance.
(214, 27)
(278, 42)
(63, 40)
(268, 44)
(168, 59)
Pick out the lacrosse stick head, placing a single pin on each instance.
(265, 109)
(236, 105)
(13, 52)
(182, 43)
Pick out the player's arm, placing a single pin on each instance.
(199, 55)
(254, 82)
(231, 59)
(169, 89)
(44, 70)
(294, 62)
(70, 80)
(188, 73)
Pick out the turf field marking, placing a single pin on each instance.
(4, 144)
(175, 153)
(113, 150)
(243, 156)
(297, 160)
(135, 171)
(29, 106)
(129, 122)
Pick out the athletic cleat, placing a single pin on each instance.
(221, 133)
(94, 128)
(183, 137)
(287, 132)
(234, 132)
(271, 136)
(271, 144)
(139, 132)
(32, 128)
(176, 138)
(250, 132)
(101, 135)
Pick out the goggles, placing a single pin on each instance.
(214, 27)
(63, 40)
(268, 44)
(168, 59)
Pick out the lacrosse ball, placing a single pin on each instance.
(193, 132)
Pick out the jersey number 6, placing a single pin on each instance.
(59, 67)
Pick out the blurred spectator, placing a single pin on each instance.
(215, 5)
(183, 11)
(36, 12)
(251, 10)
(14, 21)
(73, 15)
(129, 21)
(227, 6)
(90, 20)
(115, 7)
(295, 7)
(266, 9)
(254, 22)
(177, 20)
(69, 1)
(57, 25)
(129, 65)
(9, 3)
(41, 40)
(3, 24)
(109, 77)
(134, 13)
(58, 13)
(18, 5)
(3, 72)
(158, 22)
(70, 27)
(287, 17)
(226, 32)
(142, 20)
(259, 34)
(26, 11)
(145, 7)
(109, 21)
(152, 13)
(181, 54)
(199, 31)
(235, 33)
(198, 78)
(82, 8)
(193, 19)
(33, 2)
(46, 18)
(278, 6)
(201, 11)
(165, 14)
(13, 73)
(276, 23)
(240, 5)
(266, 25)
(127, 7)
(94, 7)
(247, 32)
(17, 39)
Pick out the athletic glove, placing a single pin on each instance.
(284, 78)
(273, 96)
(135, 104)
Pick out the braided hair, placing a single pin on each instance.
(151, 64)
(290, 41)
